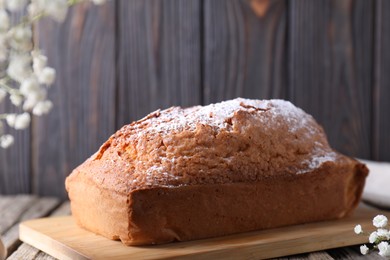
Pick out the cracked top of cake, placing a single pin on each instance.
(239, 140)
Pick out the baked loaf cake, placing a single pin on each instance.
(236, 166)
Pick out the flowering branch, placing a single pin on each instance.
(25, 77)
(379, 239)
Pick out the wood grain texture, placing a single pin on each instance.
(15, 170)
(14, 209)
(158, 56)
(321, 255)
(330, 68)
(381, 86)
(11, 209)
(244, 49)
(41, 208)
(24, 251)
(82, 49)
(62, 238)
(353, 253)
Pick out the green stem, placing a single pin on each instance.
(8, 88)
(27, 21)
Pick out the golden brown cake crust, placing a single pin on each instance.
(238, 165)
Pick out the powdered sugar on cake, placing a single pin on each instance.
(238, 140)
(217, 115)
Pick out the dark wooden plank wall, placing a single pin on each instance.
(330, 74)
(83, 52)
(381, 105)
(118, 62)
(15, 171)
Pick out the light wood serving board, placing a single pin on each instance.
(63, 239)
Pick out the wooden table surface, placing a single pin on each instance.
(14, 209)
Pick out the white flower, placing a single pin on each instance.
(4, 20)
(383, 233)
(16, 100)
(39, 62)
(6, 141)
(18, 122)
(373, 237)
(3, 47)
(10, 118)
(358, 229)
(47, 76)
(364, 249)
(19, 67)
(21, 38)
(56, 9)
(42, 108)
(3, 94)
(16, 5)
(33, 9)
(29, 86)
(384, 249)
(33, 92)
(380, 221)
(99, 2)
(34, 99)
(22, 121)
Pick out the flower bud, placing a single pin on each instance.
(22, 121)
(42, 108)
(4, 20)
(6, 141)
(47, 76)
(10, 118)
(16, 100)
(16, 5)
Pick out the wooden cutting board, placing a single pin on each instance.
(63, 239)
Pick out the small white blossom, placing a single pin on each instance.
(21, 38)
(29, 87)
(99, 2)
(358, 229)
(22, 121)
(56, 9)
(33, 92)
(380, 221)
(364, 249)
(6, 141)
(47, 76)
(33, 99)
(16, 99)
(19, 67)
(42, 108)
(39, 62)
(383, 233)
(373, 237)
(33, 9)
(3, 94)
(3, 48)
(11, 118)
(4, 20)
(384, 249)
(16, 5)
